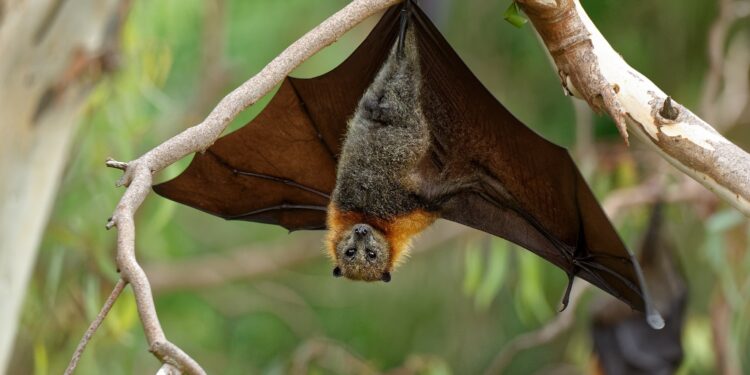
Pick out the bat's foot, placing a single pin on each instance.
(566, 296)
(402, 27)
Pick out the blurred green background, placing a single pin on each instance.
(452, 307)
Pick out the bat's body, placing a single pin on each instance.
(378, 203)
(422, 139)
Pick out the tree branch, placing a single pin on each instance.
(590, 69)
(138, 173)
(548, 332)
(653, 190)
(95, 325)
(725, 92)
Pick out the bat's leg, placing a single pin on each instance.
(405, 11)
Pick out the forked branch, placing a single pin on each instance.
(138, 173)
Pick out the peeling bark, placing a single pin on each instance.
(591, 70)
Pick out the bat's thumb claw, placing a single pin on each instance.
(566, 296)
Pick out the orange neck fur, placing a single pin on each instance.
(398, 230)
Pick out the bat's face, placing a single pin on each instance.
(363, 254)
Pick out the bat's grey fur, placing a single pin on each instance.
(386, 138)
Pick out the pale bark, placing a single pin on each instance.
(590, 69)
(52, 54)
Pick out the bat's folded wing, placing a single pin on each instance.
(281, 167)
(522, 187)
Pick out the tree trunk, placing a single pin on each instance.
(53, 52)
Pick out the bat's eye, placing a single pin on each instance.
(371, 254)
(350, 252)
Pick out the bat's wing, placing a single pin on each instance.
(281, 167)
(525, 189)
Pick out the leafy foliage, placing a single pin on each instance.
(447, 311)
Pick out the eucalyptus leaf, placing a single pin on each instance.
(497, 267)
(472, 268)
(724, 220)
(41, 359)
(531, 302)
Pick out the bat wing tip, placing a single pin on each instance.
(655, 320)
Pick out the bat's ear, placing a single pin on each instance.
(386, 276)
(337, 272)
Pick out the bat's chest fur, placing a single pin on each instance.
(375, 169)
(385, 140)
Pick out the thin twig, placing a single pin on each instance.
(717, 38)
(653, 190)
(119, 286)
(562, 322)
(116, 164)
(335, 355)
(725, 91)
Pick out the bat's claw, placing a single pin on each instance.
(566, 296)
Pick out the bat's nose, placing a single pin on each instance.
(361, 230)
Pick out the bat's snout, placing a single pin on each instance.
(361, 230)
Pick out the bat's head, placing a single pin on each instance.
(362, 253)
(365, 248)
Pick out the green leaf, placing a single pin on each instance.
(54, 272)
(472, 268)
(497, 266)
(41, 359)
(531, 305)
(513, 15)
(724, 220)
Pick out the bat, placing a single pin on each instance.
(398, 135)
(623, 343)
